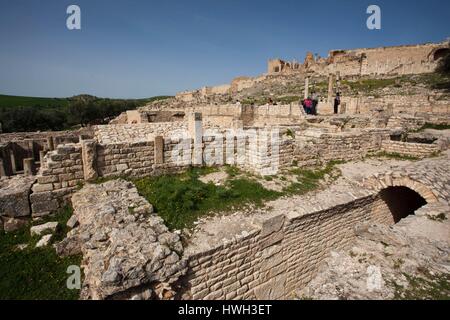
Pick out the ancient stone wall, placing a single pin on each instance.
(272, 262)
(315, 145)
(134, 133)
(427, 105)
(419, 150)
(59, 176)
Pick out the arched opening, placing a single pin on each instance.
(402, 201)
(440, 53)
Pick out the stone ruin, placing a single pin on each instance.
(128, 252)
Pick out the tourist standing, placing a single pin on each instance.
(337, 103)
(307, 104)
(315, 103)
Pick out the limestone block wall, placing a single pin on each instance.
(420, 150)
(134, 133)
(281, 256)
(59, 176)
(274, 115)
(409, 123)
(413, 104)
(314, 146)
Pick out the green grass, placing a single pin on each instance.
(435, 126)
(309, 180)
(394, 156)
(369, 84)
(35, 274)
(181, 199)
(428, 287)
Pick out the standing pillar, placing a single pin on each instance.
(28, 167)
(2, 169)
(31, 149)
(196, 132)
(50, 144)
(89, 156)
(13, 162)
(159, 150)
(5, 157)
(306, 87)
(330, 88)
(41, 156)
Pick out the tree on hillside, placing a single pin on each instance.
(444, 64)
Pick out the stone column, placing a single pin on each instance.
(28, 166)
(31, 149)
(5, 157)
(306, 87)
(195, 127)
(50, 144)
(89, 156)
(13, 162)
(41, 156)
(2, 169)
(159, 150)
(330, 88)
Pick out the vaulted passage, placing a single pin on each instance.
(402, 201)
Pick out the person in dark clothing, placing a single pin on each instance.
(308, 105)
(337, 103)
(315, 103)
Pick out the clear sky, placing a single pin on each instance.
(142, 48)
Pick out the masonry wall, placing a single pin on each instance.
(59, 176)
(419, 150)
(315, 146)
(272, 262)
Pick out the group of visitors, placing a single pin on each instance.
(310, 104)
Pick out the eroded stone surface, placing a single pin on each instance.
(126, 249)
(14, 194)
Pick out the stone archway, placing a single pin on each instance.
(401, 201)
(382, 182)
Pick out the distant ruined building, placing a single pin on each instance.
(385, 61)
(399, 60)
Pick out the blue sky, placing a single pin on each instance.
(142, 48)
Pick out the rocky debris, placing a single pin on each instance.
(217, 178)
(14, 224)
(14, 202)
(45, 241)
(21, 247)
(409, 260)
(40, 229)
(127, 250)
(72, 222)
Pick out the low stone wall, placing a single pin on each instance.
(419, 150)
(59, 176)
(134, 133)
(282, 256)
(314, 146)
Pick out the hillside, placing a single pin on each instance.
(20, 114)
